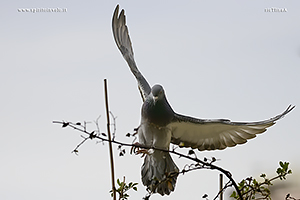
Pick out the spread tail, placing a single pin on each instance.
(159, 172)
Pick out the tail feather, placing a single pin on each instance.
(159, 173)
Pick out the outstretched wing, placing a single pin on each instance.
(120, 32)
(206, 134)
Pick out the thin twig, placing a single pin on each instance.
(114, 125)
(76, 149)
(228, 184)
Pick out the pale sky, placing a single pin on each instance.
(216, 59)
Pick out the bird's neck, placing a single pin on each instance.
(159, 113)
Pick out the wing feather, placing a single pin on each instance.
(205, 134)
(122, 39)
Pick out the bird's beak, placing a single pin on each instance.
(155, 99)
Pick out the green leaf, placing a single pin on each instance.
(281, 164)
(279, 171)
(263, 175)
(213, 159)
(233, 194)
(285, 166)
(191, 152)
(242, 183)
(255, 182)
(65, 124)
(267, 190)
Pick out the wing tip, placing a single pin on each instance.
(116, 12)
(117, 7)
(117, 17)
(288, 110)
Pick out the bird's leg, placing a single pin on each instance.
(136, 149)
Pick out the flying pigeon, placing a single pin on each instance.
(160, 125)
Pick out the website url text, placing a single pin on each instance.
(40, 10)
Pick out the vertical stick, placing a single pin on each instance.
(110, 146)
(221, 186)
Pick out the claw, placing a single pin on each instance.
(143, 152)
(136, 150)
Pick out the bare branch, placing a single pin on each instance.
(208, 164)
(109, 142)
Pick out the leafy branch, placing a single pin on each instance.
(289, 197)
(252, 189)
(123, 188)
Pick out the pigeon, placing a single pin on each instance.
(160, 125)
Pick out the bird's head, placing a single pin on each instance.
(157, 92)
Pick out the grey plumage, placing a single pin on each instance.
(218, 133)
(160, 125)
(122, 39)
(159, 172)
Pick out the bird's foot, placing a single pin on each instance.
(143, 152)
(136, 149)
